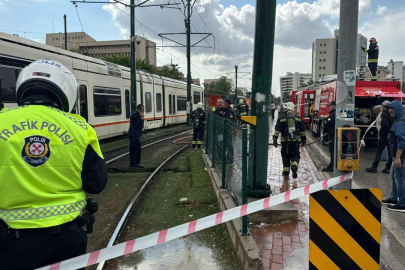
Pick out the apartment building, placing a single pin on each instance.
(293, 81)
(81, 41)
(396, 69)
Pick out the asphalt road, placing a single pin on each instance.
(393, 223)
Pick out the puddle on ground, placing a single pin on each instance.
(178, 254)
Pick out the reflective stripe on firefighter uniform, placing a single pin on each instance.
(290, 152)
(42, 144)
(199, 118)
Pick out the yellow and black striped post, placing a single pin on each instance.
(345, 229)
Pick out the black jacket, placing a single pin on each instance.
(94, 172)
(198, 117)
(372, 52)
(136, 125)
(282, 129)
(228, 113)
(218, 111)
(386, 123)
(330, 123)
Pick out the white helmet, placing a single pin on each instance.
(240, 101)
(50, 78)
(289, 106)
(199, 105)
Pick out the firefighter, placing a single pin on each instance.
(198, 116)
(330, 123)
(50, 159)
(292, 134)
(242, 109)
(372, 53)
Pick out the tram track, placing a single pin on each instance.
(136, 198)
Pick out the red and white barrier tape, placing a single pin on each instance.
(191, 227)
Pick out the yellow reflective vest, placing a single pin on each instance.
(42, 152)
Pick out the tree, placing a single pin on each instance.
(76, 51)
(219, 87)
(169, 70)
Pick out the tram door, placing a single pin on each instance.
(171, 112)
(82, 107)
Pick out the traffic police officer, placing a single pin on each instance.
(49, 159)
(227, 111)
(292, 134)
(372, 53)
(330, 123)
(198, 116)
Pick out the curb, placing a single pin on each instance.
(245, 246)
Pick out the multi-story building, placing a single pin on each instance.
(325, 55)
(230, 80)
(396, 69)
(293, 81)
(80, 41)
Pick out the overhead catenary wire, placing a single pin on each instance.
(80, 21)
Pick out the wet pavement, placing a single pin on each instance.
(392, 223)
(285, 245)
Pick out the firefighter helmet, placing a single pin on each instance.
(199, 105)
(289, 106)
(50, 78)
(373, 40)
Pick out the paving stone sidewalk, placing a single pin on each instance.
(285, 246)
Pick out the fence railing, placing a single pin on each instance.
(226, 145)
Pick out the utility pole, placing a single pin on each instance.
(188, 33)
(349, 13)
(133, 58)
(261, 91)
(132, 7)
(64, 18)
(236, 84)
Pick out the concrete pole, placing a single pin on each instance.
(64, 19)
(345, 93)
(260, 100)
(188, 44)
(236, 85)
(133, 59)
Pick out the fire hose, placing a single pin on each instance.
(310, 142)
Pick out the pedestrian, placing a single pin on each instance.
(220, 106)
(272, 108)
(384, 123)
(396, 202)
(198, 117)
(227, 110)
(330, 123)
(372, 52)
(135, 134)
(247, 106)
(292, 132)
(50, 158)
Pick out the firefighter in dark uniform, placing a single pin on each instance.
(292, 134)
(372, 53)
(241, 111)
(50, 158)
(198, 117)
(330, 123)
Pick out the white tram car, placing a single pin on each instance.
(104, 88)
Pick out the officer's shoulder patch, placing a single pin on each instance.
(80, 121)
(36, 150)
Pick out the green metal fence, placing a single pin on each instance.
(226, 145)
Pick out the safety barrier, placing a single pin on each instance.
(226, 145)
(150, 240)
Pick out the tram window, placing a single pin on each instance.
(107, 101)
(148, 102)
(181, 103)
(158, 102)
(8, 80)
(83, 102)
(170, 104)
(127, 107)
(197, 97)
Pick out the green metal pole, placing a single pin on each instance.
(207, 138)
(244, 231)
(224, 155)
(261, 92)
(214, 141)
(133, 58)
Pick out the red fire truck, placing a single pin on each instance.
(303, 101)
(367, 95)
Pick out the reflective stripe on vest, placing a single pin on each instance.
(42, 212)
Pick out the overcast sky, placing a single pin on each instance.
(231, 21)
